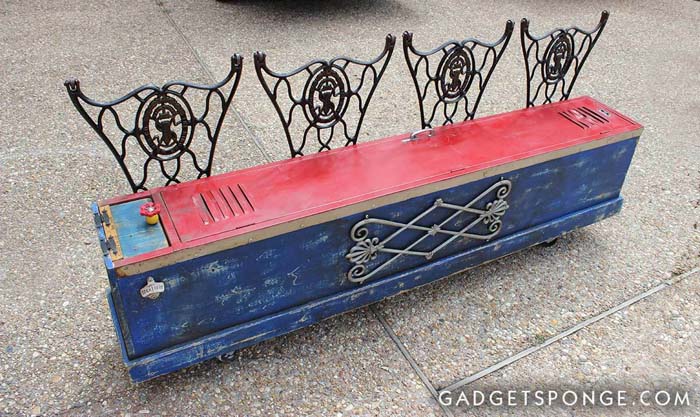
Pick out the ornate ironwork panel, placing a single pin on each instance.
(553, 61)
(486, 209)
(443, 89)
(323, 98)
(166, 123)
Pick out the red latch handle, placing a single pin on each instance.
(150, 209)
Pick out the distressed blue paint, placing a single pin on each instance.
(255, 331)
(135, 235)
(273, 286)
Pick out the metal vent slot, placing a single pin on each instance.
(585, 118)
(223, 203)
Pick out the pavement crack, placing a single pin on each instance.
(212, 79)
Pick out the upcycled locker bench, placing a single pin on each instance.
(249, 255)
(203, 268)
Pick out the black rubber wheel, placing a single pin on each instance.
(550, 242)
(228, 357)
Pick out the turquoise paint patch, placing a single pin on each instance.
(135, 235)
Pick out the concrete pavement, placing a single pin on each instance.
(58, 352)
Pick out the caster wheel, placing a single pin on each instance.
(550, 242)
(228, 357)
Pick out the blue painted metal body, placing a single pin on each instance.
(224, 301)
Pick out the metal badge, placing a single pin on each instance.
(152, 289)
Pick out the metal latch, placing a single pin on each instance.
(414, 135)
(152, 289)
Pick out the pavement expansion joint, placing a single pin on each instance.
(411, 361)
(212, 80)
(568, 332)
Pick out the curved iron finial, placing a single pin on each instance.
(166, 124)
(564, 55)
(335, 92)
(462, 65)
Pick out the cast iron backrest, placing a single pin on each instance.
(548, 67)
(443, 90)
(173, 125)
(331, 95)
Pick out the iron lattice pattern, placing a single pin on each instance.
(485, 209)
(444, 76)
(331, 96)
(165, 123)
(554, 61)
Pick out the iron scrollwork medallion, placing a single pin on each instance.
(486, 209)
(456, 73)
(552, 70)
(558, 57)
(326, 96)
(164, 124)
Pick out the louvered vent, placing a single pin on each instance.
(585, 118)
(223, 203)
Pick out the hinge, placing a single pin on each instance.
(110, 244)
(102, 217)
(105, 217)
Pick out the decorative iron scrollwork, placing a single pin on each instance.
(165, 124)
(329, 95)
(561, 60)
(444, 89)
(368, 247)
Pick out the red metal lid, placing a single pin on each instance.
(329, 180)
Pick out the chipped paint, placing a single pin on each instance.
(620, 153)
(315, 243)
(547, 171)
(293, 275)
(213, 267)
(238, 291)
(266, 255)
